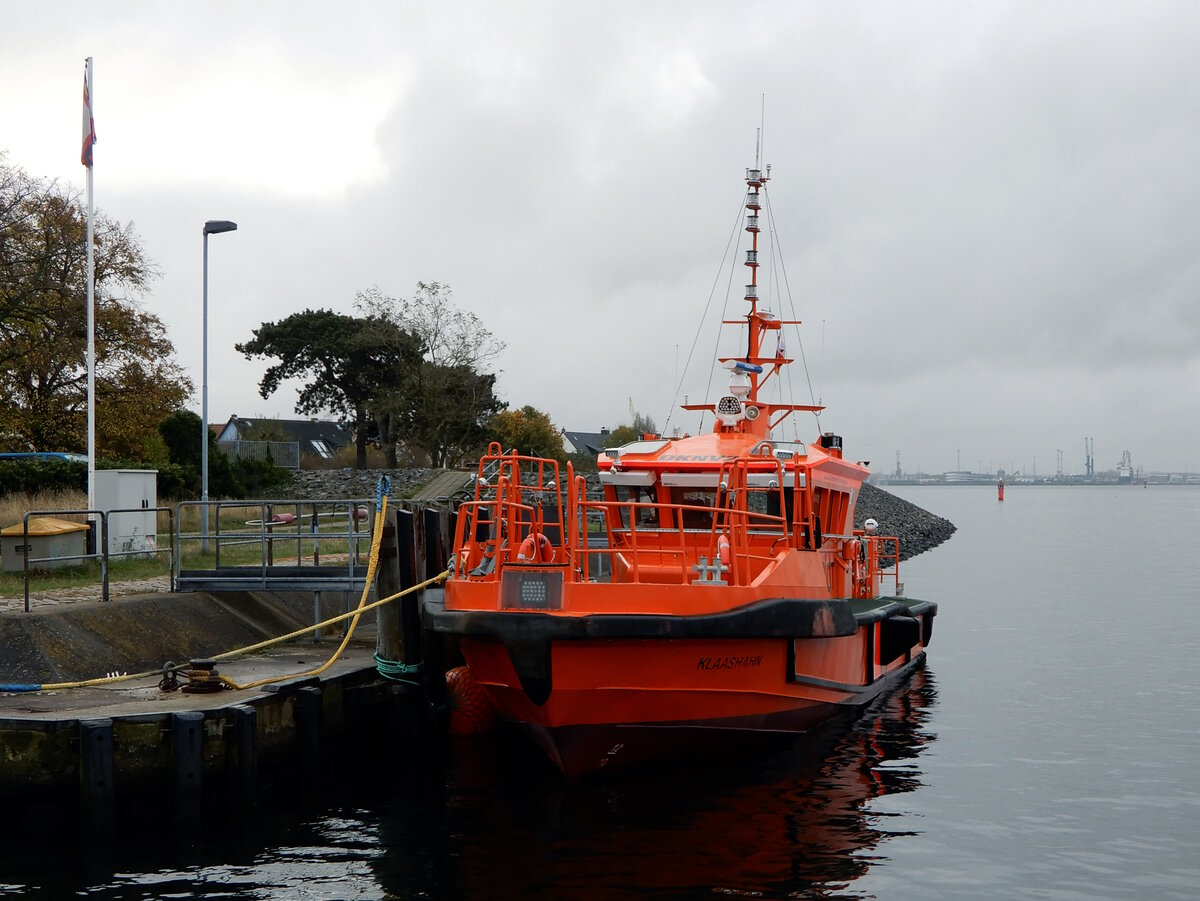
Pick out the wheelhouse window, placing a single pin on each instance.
(699, 504)
(643, 495)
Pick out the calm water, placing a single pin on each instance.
(1051, 749)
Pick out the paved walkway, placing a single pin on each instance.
(58, 596)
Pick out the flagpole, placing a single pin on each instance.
(91, 315)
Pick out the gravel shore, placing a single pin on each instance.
(918, 529)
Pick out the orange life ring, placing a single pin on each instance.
(536, 548)
(723, 552)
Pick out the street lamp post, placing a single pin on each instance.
(211, 227)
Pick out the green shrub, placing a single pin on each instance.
(230, 479)
(34, 476)
(257, 478)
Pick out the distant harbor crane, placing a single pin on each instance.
(1125, 469)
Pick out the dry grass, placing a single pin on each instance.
(13, 507)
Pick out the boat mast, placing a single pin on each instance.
(755, 180)
(741, 410)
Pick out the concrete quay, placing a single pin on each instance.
(100, 747)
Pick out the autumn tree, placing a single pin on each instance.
(442, 412)
(529, 431)
(446, 414)
(43, 327)
(349, 363)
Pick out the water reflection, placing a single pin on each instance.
(491, 819)
(786, 821)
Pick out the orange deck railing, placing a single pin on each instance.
(642, 542)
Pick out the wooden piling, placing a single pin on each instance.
(243, 768)
(187, 757)
(410, 535)
(438, 532)
(307, 713)
(389, 643)
(96, 792)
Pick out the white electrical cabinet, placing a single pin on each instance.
(129, 491)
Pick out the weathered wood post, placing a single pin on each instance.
(410, 539)
(437, 550)
(389, 643)
(243, 768)
(187, 753)
(96, 770)
(309, 714)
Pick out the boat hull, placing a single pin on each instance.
(605, 691)
(582, 749)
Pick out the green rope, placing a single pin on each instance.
(395, 670)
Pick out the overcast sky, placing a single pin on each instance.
(989, 213)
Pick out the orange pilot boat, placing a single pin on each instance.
(717, 588)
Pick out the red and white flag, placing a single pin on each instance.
(89, 124)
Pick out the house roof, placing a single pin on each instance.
(592, 443)
(315, 436)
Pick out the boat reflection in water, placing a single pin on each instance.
(484, 819)
(789, 820)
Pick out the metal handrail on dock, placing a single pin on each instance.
(103, 554)
(288, 537)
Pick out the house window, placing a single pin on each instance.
(321, 448)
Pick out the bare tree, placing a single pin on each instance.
(449, 336)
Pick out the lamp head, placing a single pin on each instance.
(216, 226)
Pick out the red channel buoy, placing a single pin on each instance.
(1000, 490)
(471, 711)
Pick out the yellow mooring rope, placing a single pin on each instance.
(353, 615)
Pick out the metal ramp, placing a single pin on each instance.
(274, 545)
(444, 485)
(273, 578)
